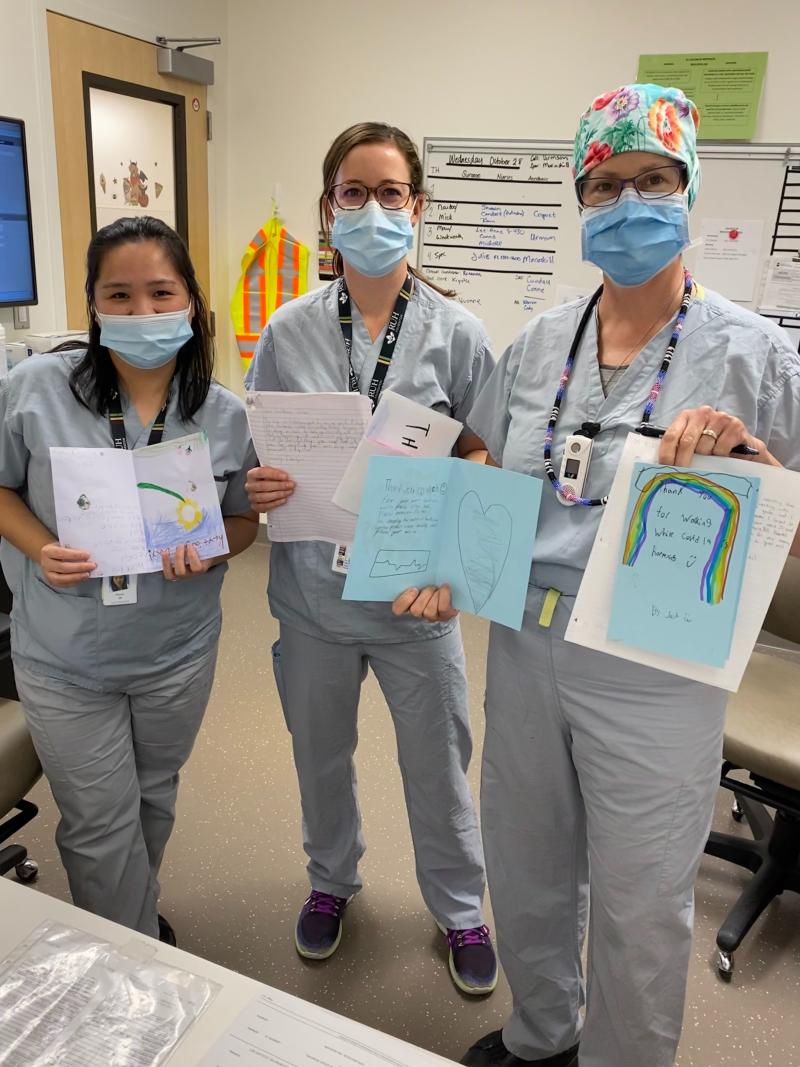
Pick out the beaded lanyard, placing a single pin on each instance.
(566, 491)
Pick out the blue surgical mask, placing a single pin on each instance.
(633, 240)
(372, 240)
(146, 341)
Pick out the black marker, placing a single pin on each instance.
(646, 430)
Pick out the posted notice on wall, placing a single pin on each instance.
(781, 294)
(726, 86)
(729, 260)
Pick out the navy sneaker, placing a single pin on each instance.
(473, 965)
(491, 1052)
(319, 927)
(165, 932)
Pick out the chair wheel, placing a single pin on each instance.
(724, 964)
(27, 871)
(737, 811)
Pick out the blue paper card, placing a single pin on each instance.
(680, 565)
(436, 521)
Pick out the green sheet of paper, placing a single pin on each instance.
(726, 86)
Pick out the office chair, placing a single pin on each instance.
(19, 765)
(762, 737)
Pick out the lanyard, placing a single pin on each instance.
(591, 429)
(117, 424)
(389, 339)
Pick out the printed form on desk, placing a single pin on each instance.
(279, 1030)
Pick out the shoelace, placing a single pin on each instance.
(475, 935)
(325, 903)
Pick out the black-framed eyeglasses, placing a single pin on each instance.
(392, 196)
(650, 185)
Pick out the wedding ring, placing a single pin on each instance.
(709, 433)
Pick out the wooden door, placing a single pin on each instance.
(80, 49)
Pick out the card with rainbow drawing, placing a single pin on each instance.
(681, 561)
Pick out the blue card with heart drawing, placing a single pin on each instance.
(436, 521)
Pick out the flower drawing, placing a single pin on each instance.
(190, 514)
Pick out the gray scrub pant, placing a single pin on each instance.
(112, 761)
(424, 685)
(597, 774)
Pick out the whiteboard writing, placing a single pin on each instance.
(494, 229)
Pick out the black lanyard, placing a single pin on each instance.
(117, 423)
(389, 339)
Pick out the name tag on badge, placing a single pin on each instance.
(119, 589)
(341, 559)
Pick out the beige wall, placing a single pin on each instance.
(25, 93)
(292, 73)
(303, 70)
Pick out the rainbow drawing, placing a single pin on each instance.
(715, 571)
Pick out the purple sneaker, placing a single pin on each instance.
(319, 926)
(473, 965)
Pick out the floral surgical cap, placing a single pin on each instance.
(639, 118)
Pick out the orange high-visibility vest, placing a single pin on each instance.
(274, 270)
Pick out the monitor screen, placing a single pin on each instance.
(17, 270)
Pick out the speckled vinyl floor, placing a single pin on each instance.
(234, 877)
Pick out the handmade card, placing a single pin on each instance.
(446, 521)
(777, 511)
(124, 508)
(679, 571)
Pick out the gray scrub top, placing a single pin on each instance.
(441, 360)
(69, 633)
(727, 357)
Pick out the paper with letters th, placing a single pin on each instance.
(124, 507)
(399, 427)
(774, 524)
(436, 521)
(311, 436)
(680, 566)
(278, 1029)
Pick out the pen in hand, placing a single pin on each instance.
(646, 430)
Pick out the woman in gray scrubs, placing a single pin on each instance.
(597, 772)
(437, 354)
(114, 674)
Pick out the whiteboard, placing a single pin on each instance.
(502, 228)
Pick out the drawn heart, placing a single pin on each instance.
(484, 540)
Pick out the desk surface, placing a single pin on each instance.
(22, 909)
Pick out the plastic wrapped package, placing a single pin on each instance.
(69, 1000)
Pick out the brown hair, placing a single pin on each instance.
(371, 133)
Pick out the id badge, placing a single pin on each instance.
(341, 559)
(119, 589)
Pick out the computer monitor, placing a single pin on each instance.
(17, 267)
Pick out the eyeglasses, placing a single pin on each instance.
(650, 185)
(392, 196)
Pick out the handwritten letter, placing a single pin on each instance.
(311, 436)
